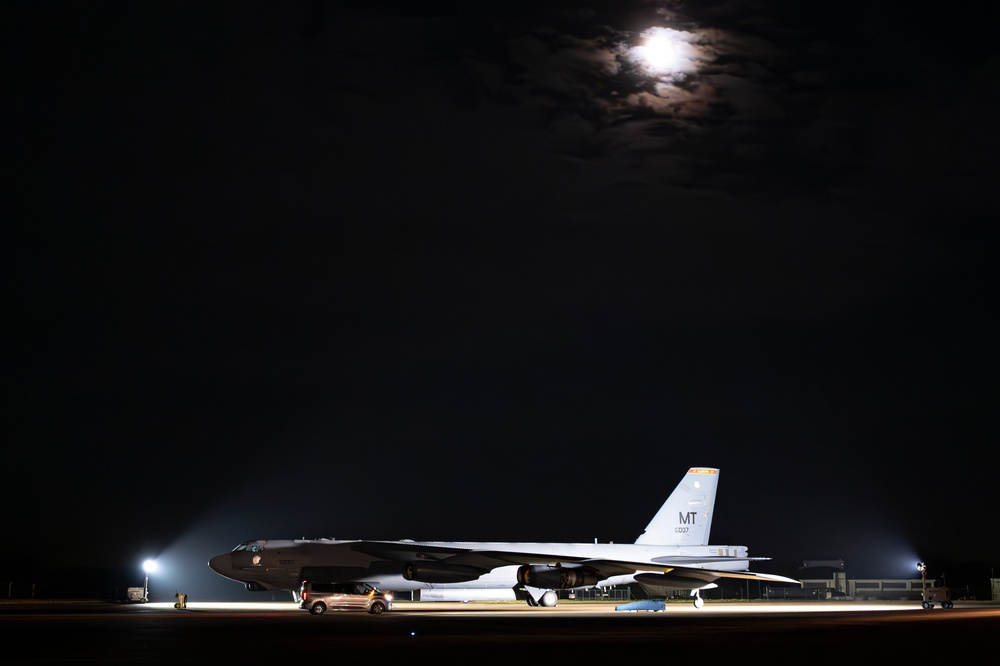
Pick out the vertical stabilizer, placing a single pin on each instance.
(685, 519)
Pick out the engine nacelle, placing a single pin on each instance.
(438, 572)
(555, 577)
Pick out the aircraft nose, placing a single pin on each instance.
(221, 564)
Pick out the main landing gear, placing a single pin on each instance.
(547, 600)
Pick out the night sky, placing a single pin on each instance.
(461, 271)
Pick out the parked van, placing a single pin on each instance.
(320, 597)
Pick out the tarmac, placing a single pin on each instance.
(72, 632)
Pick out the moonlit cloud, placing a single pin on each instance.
(666, 53)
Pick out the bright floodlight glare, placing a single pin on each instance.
(149, 566)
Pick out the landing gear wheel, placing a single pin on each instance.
(698, 602)
(549, 599)
(531, 601)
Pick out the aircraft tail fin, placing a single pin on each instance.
(685, 519)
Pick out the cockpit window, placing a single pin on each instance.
(251, 546)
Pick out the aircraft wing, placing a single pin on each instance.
(485, 560)
(405, 551)
(606, 568)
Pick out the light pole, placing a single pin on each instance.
(922, 568)
(149, 566)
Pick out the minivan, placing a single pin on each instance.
(320, 597)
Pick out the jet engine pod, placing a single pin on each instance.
(439, 572)
(555, 577)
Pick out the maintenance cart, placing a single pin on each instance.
(933, 595)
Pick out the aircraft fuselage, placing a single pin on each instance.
(282, 564)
